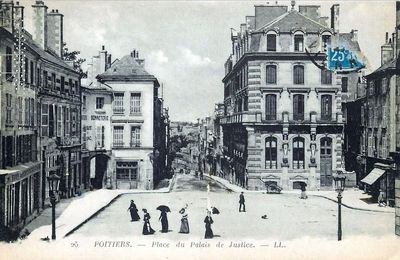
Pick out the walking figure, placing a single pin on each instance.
(208, 220)
(164, 221)
(241, 202)
(134, 211)
(184, 222)
(147, 230)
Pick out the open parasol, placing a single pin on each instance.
(163, 208)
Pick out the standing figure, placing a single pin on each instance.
(184, 222)
(134, 211)
(208, 220)
(303, 191)
(241, 202)
(147, 230)
(164, 221)
(381, 200)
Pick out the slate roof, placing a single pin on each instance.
(127, 68)
(294, 20)
(390, 65)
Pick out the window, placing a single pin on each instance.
(271, 42)
(32, 73)
(20, 111)
(271, 74)
(32, 111)
(298, 153)
(67, 115)
(326, 107)
(45, 79)
(326, 41)
(51, 121)
(62, 84)
(298, 42)
(270, 107)
(135, 136)
(118, 136)
(9, 58)
(298, 74)
(99, 136)
(245, 104)
(135, 103)
(99, 102)
(9, 108)
(53, 80)
(326, 146)
(76, 90)
(59, 121)
(118, 103)
(127, 171)
(326, 77)
(26, 70)
(344, 84)
(84, 102)
(298, 107)
(27, 106)
(270, 153)
(45, 119)
(73, 121)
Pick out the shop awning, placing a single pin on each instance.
(373, 176)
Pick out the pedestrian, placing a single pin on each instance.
(241, 202)
(381, 200)
(164, 221)
(303, 191)
(147, 230)
(208, 220)
(201, 175)
(134, 211)
(184, 221)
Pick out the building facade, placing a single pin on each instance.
(283, 119)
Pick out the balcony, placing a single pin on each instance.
(243, 117)
(118, 111)
(135, 144)
(118, 144)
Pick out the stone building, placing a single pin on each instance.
(124, 125)
(283, 118)
(40, 119)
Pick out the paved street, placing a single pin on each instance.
(188, 182)
(288, 216)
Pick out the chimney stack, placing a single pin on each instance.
(354, 35)
(55, 32)
(335, 18)
(103, 60)
(386, 50)
(40, 23)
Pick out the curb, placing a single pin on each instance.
(320, 196)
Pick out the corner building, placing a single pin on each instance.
(283, 117)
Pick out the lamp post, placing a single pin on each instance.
(54, 181)
(339, 186)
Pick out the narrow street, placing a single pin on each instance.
(189, 182)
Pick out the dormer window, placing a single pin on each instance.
(271, 42)
(298, 42)
(326, 41)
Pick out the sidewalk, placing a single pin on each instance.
(352, 198)
(88, 205)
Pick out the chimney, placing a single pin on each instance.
(354, 35)
(242, 28)
(335, 18)
(265, 14)
(7, 10)
(55, 32)
(103, 60)
(40, 23)
(108, 65)
(386, 50)
(250, 22)
(18, 15)
(310, 11)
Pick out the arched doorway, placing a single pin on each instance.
(326, 162)
(98, 169)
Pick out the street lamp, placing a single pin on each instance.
(339, 186)
(54, 181)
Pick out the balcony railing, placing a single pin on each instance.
(135, 144)
(118, 144)
(118, 111)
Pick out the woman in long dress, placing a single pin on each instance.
(184, 222)
(208, 220)
(147, 230)
(164, 221)
(134, 211)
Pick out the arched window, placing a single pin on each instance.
(326, 107)
(298, 153)
(271, 42)
(298, 74)
(270, 107)
(271, 74)
(270, 153)
(298, 107)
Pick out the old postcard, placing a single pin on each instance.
(199, 129)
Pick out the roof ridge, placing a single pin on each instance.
(277, 19)
(312, 20)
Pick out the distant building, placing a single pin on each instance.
(283, 118)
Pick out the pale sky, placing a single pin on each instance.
(185, 43)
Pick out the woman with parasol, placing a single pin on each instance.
(208, 220)
(163, 217)
(184, 221)
(134, 211)
(147, 230)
